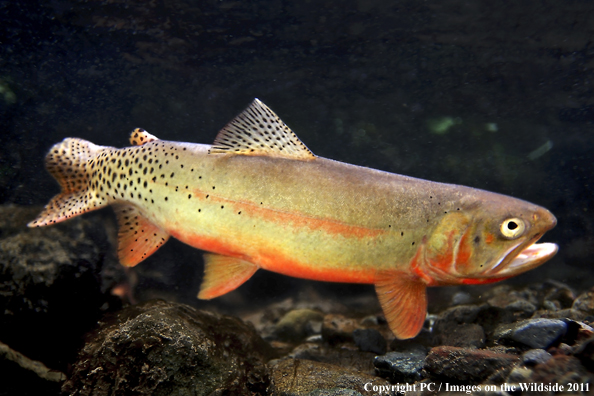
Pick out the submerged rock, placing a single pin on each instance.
(535, 356)
(23, 376)
(298, 324)
(585, 303)
(534, 333)
(338, 328)
(401, 366)
(370, 340)
(467, 365)
(160, 348)
(295, 377)
(55, 283)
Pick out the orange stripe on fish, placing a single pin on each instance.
(296, 220)
(275, 205)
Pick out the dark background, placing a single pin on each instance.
(358, 81)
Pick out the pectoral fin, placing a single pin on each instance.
(223, 274)
(404, 301)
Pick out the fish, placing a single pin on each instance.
(258, 198)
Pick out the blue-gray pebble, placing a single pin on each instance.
(538, 333)
(535, 356)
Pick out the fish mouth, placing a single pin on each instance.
(523, 258)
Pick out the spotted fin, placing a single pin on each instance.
(138, 238)
(139, 136)
(223, 274)
(404, 301)
(70, 163)
(259, 131)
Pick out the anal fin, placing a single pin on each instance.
(138, 238)
(404, 301)
(223, 274)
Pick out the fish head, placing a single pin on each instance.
(490, 238)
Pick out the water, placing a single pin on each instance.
(480, 94)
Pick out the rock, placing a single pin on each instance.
(466, 365)
(455, 327)
(160, 348)
(461, 314)
(461, 298)
(561, 369)
(425, 338)
(585, 352)
(373, 320)
(338, 328)
(519, 374)
(334, 392)
(370, 340)
(298, 324)
(535, 356)
(535, 333)
(559, 294)
(462, 335)
(351, 358)
(23, 376)
(401, 366)
(295, 377)
(55, 283)
(521, 309)
(585, 303)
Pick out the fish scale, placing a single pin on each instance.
(258, 198)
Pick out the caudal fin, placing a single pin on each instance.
(71, 163)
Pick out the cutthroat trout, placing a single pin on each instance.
(259, 198)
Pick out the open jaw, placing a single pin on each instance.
(523, 258)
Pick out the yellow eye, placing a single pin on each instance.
(512, 228)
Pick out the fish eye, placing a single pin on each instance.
(512, 228)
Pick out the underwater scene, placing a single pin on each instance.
(357, 197)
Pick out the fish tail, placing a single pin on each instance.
(71, 163)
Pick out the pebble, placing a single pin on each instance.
(519, 374)
(585, 303)
(461, 298)
(534, 333)
(535, 356)
(296, 325)
(370, 340)
(401, 366)
(455, 327)
(521, 309)
(467, 365)
(462, 335)
(338, 328)
(538, 333)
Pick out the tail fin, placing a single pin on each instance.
(70, 163)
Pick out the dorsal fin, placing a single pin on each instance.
(139, 136)
(259, 131)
